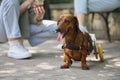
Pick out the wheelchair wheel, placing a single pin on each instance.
(100, 52)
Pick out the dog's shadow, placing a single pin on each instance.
(95, 64)
(91, 64)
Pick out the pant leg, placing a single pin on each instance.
(103, 5)
(80, 6)
(3, 36)
(84, 6)
(40, 33)
(10, 9)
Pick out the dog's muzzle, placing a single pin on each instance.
(57, 30)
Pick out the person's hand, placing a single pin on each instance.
(39, 12)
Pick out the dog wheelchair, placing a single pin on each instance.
(97, 48)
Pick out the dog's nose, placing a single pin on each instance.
(58, 30)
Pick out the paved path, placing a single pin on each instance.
(46, 60)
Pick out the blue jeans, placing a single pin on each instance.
(85, 6)
(9, 16)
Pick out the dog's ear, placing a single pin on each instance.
(75, 21)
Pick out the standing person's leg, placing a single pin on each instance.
(10, 17)
(80, 11)
(45, 31)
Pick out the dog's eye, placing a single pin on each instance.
(67, 21)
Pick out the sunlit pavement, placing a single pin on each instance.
(46, 61)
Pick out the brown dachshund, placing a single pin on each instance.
(77, 45)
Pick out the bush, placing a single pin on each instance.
(60, 1)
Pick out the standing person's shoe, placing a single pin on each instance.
(17, 50)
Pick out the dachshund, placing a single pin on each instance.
(77, 45)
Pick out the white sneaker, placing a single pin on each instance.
(17, 51)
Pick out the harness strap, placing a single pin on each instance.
(72, 47)
(77, 47)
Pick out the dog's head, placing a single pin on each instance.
(65, 22)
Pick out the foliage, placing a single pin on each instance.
(60, 1)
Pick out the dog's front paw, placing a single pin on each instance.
(64, 66)
(85, 67)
